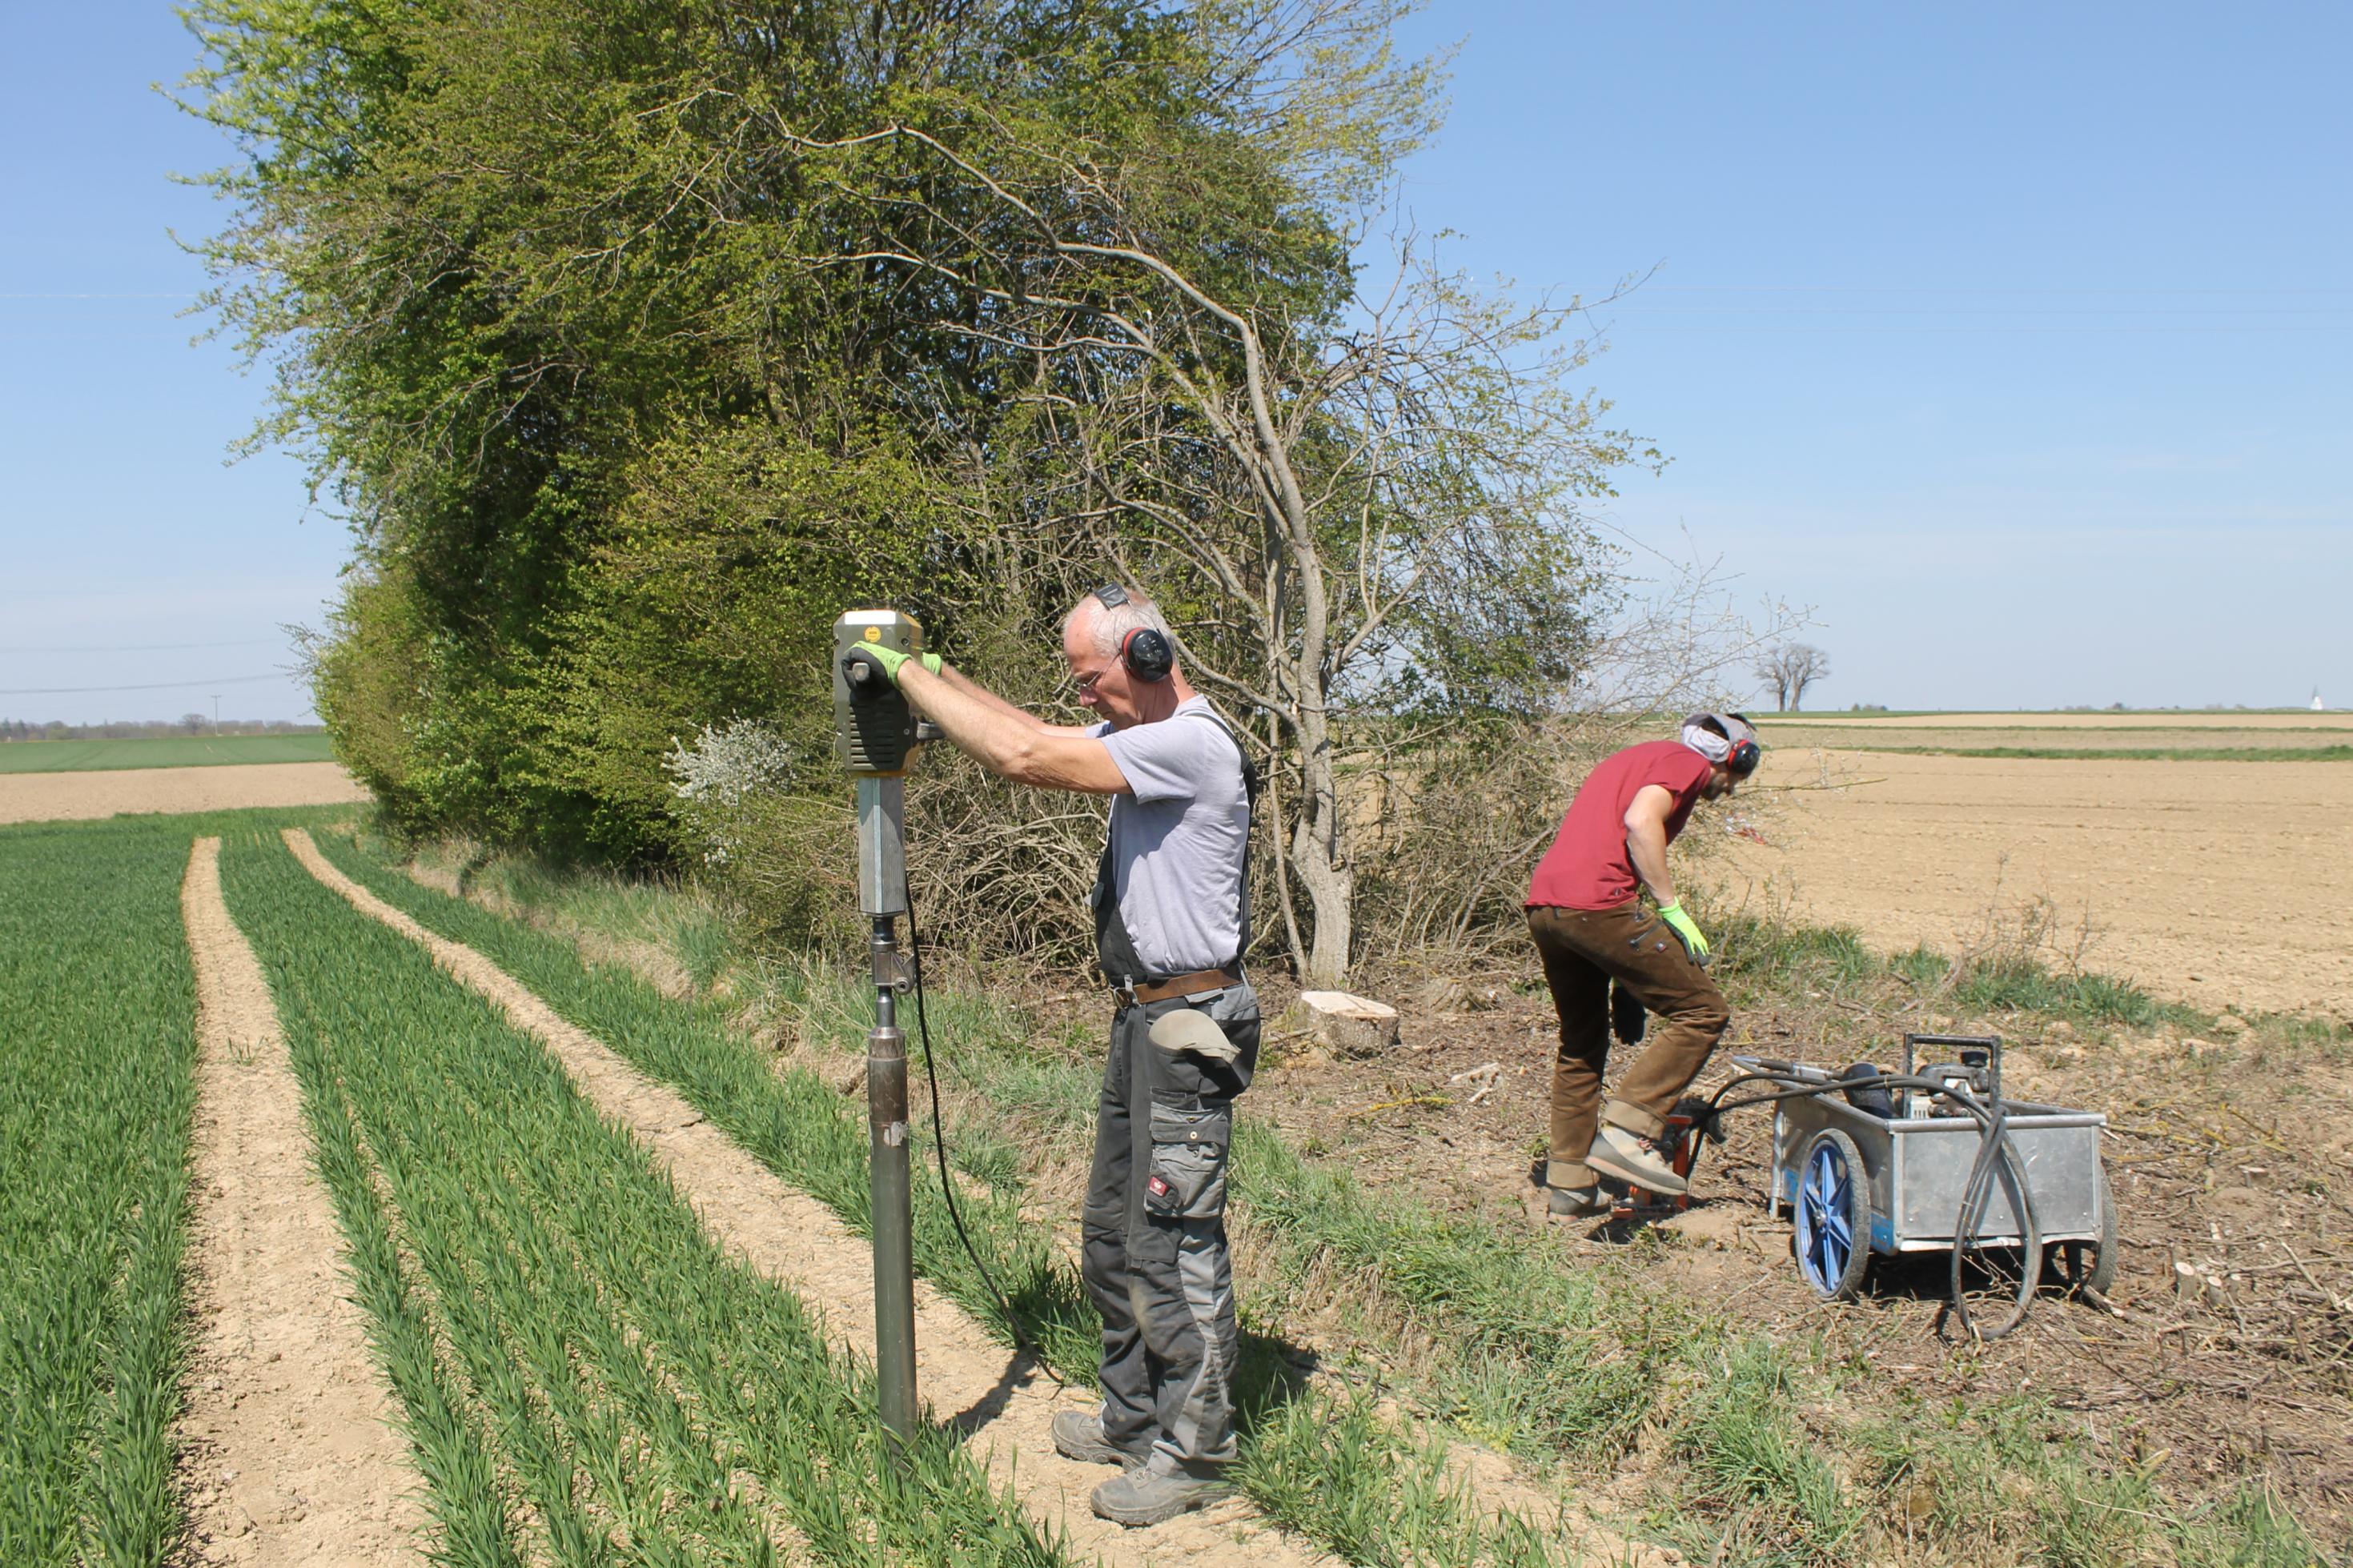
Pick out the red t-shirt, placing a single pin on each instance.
(1587, 867)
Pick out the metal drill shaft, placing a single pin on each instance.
(882, 894)
(894, 1255)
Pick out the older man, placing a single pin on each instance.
(1585, 912)
(1171, 921)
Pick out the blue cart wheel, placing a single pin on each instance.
(1830, 1225)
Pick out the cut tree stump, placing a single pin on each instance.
(1350, 1025)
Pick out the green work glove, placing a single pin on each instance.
(891, 658)
(1685, 927)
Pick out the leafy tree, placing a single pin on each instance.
(635, 338)
(1363, 507)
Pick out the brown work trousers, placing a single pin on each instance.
(1583, 951)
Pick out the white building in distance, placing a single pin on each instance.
(2317, 705)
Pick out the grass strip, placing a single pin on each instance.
(1760, 957)
(160, 751)
(625, 1366)
(98, 1052)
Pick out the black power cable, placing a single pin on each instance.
(940, 1148)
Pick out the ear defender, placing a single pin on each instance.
(1147, 655)
(1145, 652)
(1727, 739)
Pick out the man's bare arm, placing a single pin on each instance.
(960, 682)
(1646, 839)
(1008, 742)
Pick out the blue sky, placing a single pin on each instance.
(2013, 339)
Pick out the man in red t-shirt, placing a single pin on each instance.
(1590, 929)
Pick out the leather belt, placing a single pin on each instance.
(1178, 985)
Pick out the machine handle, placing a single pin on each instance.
(1990, 1044)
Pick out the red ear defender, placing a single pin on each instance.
(1745, 755)
(1147, 654)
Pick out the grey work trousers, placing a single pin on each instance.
(1153, 1235)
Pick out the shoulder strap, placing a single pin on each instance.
(1251, 782)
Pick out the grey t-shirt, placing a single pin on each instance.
(1178, 842)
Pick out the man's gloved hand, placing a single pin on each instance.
(1685, 927)
(891, 658)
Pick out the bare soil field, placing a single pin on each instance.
(2223, 884)
(2282, 742)
(53, 797)
(2297, 718)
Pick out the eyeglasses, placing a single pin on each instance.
(1087, 681)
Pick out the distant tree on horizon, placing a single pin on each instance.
(1789, 670)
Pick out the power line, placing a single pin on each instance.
(147, 647)
(93, 296)
(159, 686)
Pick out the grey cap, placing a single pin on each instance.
(1189, 1029)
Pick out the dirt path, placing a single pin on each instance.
(59, 798)
(288, 1452)
(962, 1374)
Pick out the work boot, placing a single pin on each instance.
(1576, 1203)
(1572, 1196)
(1080, 1435)
(1151, 1495)
(1635, 1161)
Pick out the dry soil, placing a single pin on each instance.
(287, 1453)
(51, 797)
(2221, 884)
(2142, 720)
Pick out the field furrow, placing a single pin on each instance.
(97, 1042)
(288, 1453)
(645, 1396)
(995, 1396)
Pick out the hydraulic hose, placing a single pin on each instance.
(1996, 1156)
(1995, 1149)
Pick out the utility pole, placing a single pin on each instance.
(216, 712)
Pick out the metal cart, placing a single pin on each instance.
(1889, 1175)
